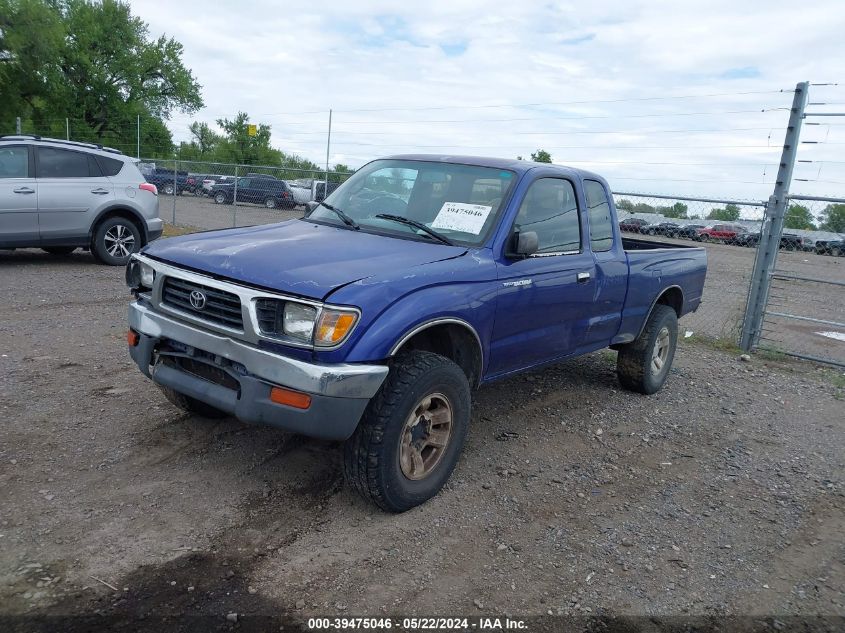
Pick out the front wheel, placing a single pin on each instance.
(411, 434)
(169, 189)
(643, 365)
(220, 198)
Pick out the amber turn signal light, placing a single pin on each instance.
(133, 338)
(295, 399)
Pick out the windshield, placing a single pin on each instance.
(459, 202)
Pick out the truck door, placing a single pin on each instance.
(611, 277)
(545, 300)
(18, 197)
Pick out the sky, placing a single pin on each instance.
(683, 98)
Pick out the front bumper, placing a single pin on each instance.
(339, 393)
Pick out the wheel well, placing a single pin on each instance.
(126, 214)
(674, 298)
(454, 341)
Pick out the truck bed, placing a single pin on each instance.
(652, 268)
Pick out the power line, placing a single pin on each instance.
(547, 133)
(549, 118)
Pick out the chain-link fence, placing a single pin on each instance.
(222, 195)
(729, 229)
(805, 312)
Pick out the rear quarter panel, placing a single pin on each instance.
(651, 272)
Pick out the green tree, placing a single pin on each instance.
(625, 205)
(541, 156)
(93, 63)
(239, 147)
(677, 210)
(799, 217)
(833, 218)
(729, 214)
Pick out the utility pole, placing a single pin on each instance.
(328, 146)
(138, 147)
(17, 125)
(767, 249)
(67, 129)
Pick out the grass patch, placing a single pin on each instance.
(723, 343)
(171, 230)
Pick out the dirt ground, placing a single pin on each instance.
(722, 494)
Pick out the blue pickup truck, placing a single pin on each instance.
(370, 319)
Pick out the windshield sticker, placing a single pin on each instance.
(459, 216)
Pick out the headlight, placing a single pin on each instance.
(290, 319)
(148, 275)
(298, 321)
(139, 276)
(333, 326)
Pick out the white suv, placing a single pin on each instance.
(62, 195)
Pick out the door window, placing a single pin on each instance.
(14, 162)
(598, 207)
(550, 210)
(62, 163)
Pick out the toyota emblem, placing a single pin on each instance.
(197, 299)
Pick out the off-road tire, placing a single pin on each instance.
(101, 249)
(59, 250)
(192, 405)
(371, 462)
(634, 362)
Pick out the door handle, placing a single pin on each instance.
(24, 190)
(100, 191)
(583, 278)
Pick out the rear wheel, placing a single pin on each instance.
(115, 240)
(412, 433)
(270, 202)
(192, 405)
(837, 252)
(59, 250)
(168, 189)
(643, 365)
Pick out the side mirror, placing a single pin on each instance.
(311, 205)
(525, 243)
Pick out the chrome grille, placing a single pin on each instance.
(220, 306)
(269, 313)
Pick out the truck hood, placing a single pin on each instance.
(296, 257)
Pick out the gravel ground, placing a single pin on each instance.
(722, 494)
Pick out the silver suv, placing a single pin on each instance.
(62, 195)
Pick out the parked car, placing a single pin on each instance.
(214, 179)
(727, 233)
(633, 225)
(788, 241)
(370, 319)
(689, 231)
(167, 182)
(193, 184)
(668, 229)
(270, 192)
(308, 189)
(836, 248)
(60, 195)
(824, 247)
